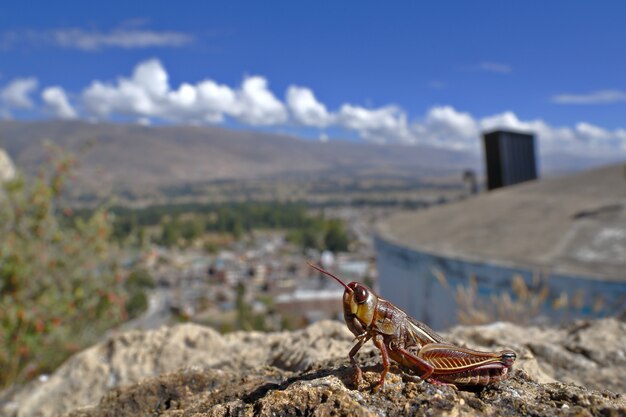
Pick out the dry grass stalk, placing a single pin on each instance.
(523, 304)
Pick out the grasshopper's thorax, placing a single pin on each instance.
(359, 305)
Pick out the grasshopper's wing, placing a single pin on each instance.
(424, 334)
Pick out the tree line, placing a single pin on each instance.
(181, 224)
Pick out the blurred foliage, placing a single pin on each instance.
(246, 319)
(136, 285)
(139, 279)
(60, 284)
(182, 224)
(335, 236)
(321, 234)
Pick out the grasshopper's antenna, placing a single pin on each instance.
(330, 275)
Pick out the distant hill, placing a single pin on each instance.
(131, 157)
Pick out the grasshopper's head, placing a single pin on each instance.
(359, 304)
(508, 357)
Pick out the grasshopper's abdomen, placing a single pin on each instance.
(479, 376)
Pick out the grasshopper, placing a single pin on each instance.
(413, 345)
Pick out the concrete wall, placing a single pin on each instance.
(406, 279)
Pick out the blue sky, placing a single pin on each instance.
(410, 72)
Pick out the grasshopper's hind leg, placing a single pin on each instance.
(426, 368)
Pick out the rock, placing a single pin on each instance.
(327, 392)
(7, 169)
(193, 370)
(587, 353)
(128, 358)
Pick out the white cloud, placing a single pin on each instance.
(444, 126)
(16, 94)
(305, 108)
(148, 94)
(583, 139)
(215, 100)
(596, 97)
(120, 38)
(385, 124)
(495, 67)
(138, 96)
(152, 77)
(257, 105)
(95, 40)
(592, 132)
(57, 103)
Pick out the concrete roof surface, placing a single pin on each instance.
(574, 224)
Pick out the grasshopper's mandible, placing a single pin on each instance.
(413, 345)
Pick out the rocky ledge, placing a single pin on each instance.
(190, 370)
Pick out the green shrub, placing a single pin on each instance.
(60, 285)
(136, 284)
(321, 234)
(136, 304)
(335, 236)
(139, 279)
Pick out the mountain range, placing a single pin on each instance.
(127, 158)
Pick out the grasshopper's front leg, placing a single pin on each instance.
(358, 374)
(380, 344)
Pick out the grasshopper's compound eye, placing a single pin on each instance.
(360, 294)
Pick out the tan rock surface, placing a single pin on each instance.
(193, 370)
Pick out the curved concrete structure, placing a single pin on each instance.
(571, 230)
